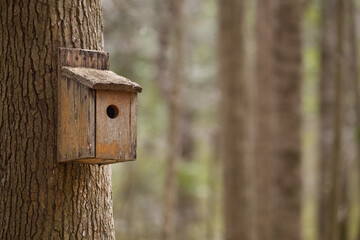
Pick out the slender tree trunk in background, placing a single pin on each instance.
(287, 65)
(349, 142)
(129, 202)
(187, 214)
(354, 64)
(264, 119)
(162, 61)
(174, 108)
(339, 117)
(233, 108)
(187, 207)
(327, 98)
(41, 199)
(354, 70)
(163, 80)
(335, 188)
(171, 24)
(211, 201)
(187, 135)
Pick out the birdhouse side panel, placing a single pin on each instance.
(113, 125)
(76, 118)
(133, 126)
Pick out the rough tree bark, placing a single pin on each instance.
(287, 67)
(41, 199)
(233, 109)
(264, 118)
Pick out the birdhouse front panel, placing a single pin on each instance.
(96, 110)
(113, 126)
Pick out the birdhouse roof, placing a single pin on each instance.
(100, 79)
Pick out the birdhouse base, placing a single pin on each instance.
(96, 161)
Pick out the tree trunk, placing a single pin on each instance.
(162, 61)
(187, 208)
(338, 116)
(211, 205)
(129, 201)
(41, 199)
(349, 147)
(174, 113)
(327, 97)
(354, 61)
(337, 158)
(287, 67)
(233, 109)
(353, 90)
(264, 119)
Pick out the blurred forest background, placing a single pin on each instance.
(264, 76)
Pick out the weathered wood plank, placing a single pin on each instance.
(133, 127)
(76, 57)
(113, 134)
(95, 161)
(76, 132)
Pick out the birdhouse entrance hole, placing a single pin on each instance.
(112, 111)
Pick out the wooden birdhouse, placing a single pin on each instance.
(96, 110)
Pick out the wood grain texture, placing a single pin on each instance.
(100, 79)
(76, 57)
(76, 126)
(133, 125)
(113, 135)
